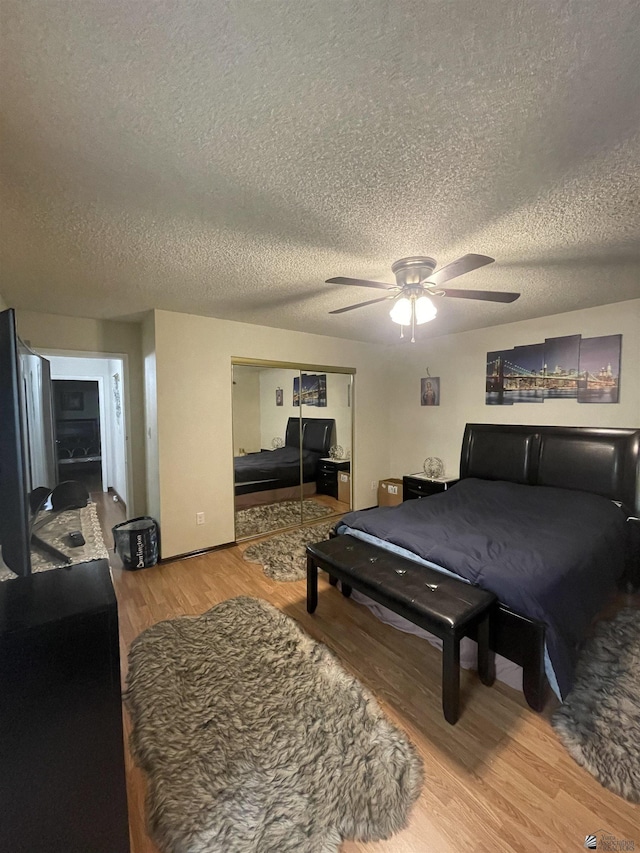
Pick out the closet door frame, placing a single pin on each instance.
(239, 361)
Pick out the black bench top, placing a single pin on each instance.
(423, 595)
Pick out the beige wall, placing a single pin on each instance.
(459, 361)
(193, 361)
(246, 409)
(3, 304)
(78, 334)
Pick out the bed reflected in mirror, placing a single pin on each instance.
(291, 446)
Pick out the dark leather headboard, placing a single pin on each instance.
(292, 435)
(317, 434)
(598, 460)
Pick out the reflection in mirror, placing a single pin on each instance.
(287, 426)
(332, 400)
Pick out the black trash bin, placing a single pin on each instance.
(136, 542)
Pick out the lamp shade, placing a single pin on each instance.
(401, 311)
(425, 310)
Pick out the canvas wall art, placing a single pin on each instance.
(310, 389)
(569, 367)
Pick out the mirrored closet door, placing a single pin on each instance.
(292, 445)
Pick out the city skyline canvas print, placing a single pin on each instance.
(569, 367)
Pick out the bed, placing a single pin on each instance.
(272, 475)
(539, 517)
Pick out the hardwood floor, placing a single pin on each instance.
(498, 780)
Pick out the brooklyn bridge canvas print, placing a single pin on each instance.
(570, 367)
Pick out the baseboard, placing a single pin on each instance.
(113, 492)
(188, 554)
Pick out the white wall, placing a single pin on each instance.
(274, 419)
(246, 409)
(151, 416)
(193, 369)
(459, 361)
(117, 428)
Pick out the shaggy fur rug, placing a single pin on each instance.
(599, 722)
(257, 519)
(255, 740)
(284, 557)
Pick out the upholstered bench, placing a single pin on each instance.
(442, 605)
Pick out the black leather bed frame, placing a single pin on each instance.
(601, 461)
(317, 436)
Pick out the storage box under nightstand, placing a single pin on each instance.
(390, 492)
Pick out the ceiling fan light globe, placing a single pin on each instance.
(401, 311)
(425, 310)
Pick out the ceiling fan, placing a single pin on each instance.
(416, 282)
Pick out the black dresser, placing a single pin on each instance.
(418, 486)
(327, 482)
(62, 779)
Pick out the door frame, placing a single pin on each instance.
(125, 403)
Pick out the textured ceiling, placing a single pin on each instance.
(225, 158)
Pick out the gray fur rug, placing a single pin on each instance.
(283, 557)
(599, 723)
(255, 740)
(256, 519)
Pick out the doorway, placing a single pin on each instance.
(78, 417)
(91, 422)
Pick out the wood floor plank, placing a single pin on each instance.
(499, 779)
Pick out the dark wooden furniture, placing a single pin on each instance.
(416, 486)
(327, 482)
(602, 461)
(442, 605)
(62, 779)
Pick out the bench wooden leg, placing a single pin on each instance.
(486, 656)
(451, 679)
(312, 585)
(534, 684)
(333, 580)
(346, 589)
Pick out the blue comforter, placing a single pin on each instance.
(280, 464)
(550, 554)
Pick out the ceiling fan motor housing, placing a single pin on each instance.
(413, 271)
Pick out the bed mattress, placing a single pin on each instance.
(280, 465)
(550, 554)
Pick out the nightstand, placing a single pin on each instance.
(327, 482)
(420, 486)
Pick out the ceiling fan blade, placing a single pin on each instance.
(361, 282)
(465, 264)
(360, 305)
(483, 295)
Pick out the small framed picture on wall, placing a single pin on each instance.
(430, 391)
(72, 401)
(279, 397)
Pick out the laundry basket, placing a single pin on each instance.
(136, 542)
